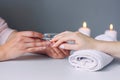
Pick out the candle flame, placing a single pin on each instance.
(111, 26)
(84, 24)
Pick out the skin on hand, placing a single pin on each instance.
(22, 42)
(56, 53)
(81, 41)
(84, 42)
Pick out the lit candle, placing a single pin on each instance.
(112, 33)
(85, 30)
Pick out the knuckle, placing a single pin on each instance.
(31, 33)
(19, 38)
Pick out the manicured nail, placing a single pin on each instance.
(62, 46)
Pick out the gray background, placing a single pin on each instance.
(60, 15)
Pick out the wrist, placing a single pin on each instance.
(99, 45)
(93, 44)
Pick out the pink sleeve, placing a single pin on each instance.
(5, 31)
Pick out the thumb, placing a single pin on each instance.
(69, 46)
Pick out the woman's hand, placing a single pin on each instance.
(80, 40)
(55, 52)
(20, 43)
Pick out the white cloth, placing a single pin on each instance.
(90, 60)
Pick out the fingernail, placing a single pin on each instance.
(62, 46)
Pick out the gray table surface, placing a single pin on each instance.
(39, 67)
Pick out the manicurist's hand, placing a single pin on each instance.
(57, 53)
(19, 43)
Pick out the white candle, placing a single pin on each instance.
(112, 33)
(85, 30)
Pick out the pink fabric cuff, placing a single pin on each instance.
(5, 34)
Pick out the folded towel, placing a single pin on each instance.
(90, 60)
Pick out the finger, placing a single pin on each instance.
(59, 53)
(60, 35)
(60, 41)
(37, 40)
(31, 34)
(65, 35)
(56, 38)
(36, 44)
(69, 46)
(27, 39)
(66, 52)
(24, 39)
(35, 49)
(51, 53)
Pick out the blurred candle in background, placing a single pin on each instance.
(84, 29)
(111, 32)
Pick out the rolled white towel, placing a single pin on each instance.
(90, 60)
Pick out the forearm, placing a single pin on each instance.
(112, 48)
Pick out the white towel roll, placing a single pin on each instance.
(90, 60)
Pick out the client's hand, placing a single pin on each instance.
(56, 53)
(20, 43)
(81, 41)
